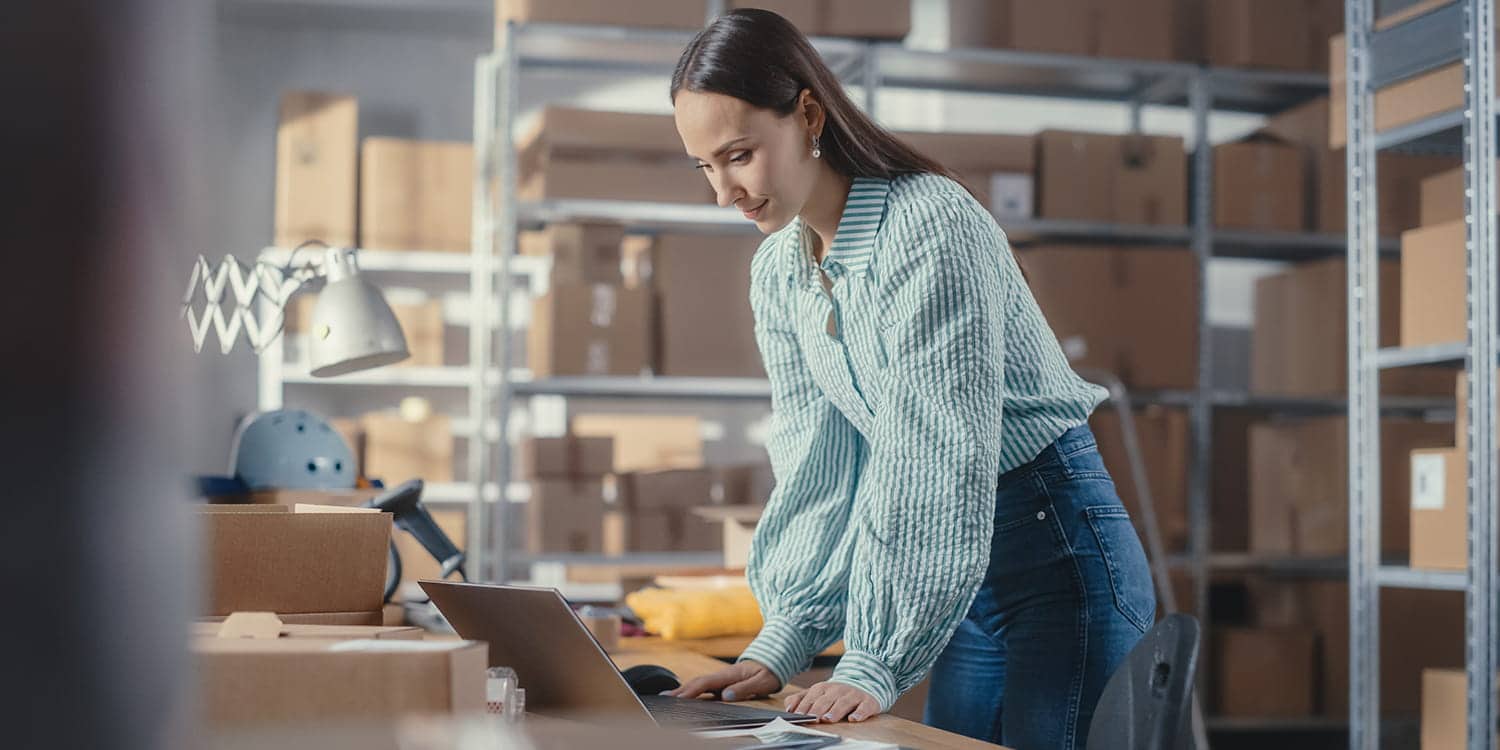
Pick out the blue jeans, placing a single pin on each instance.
(1067, 594)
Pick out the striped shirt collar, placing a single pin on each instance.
(854, 241)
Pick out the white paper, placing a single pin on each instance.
(1429, 474)
(782, 726)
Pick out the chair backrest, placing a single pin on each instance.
(1147, 703)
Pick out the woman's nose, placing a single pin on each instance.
(727, 194)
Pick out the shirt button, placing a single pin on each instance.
(1041, 515)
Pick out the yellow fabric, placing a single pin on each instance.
(688, 614)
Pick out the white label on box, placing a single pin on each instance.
(597, 362)
(602, 314)
(1011, 195)
(1429, 473)
(371, 645)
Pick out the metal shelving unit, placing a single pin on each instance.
(1459, 31)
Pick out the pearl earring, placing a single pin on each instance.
(817, 151)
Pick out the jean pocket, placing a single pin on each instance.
(1125, 562)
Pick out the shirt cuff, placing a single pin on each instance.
(864, 671)
(783, 646)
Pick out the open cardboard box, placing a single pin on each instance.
(296, 561)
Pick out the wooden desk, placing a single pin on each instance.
(689, 664)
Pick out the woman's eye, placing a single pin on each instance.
(702, 166)
(739, 157)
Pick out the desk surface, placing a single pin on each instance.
(688, 664)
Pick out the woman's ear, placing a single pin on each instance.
(812, 112)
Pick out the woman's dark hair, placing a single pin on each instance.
(759, 57)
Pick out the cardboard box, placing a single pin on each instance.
(578, 153)
(271, 559)
(1147, 30)
(581, 253)
(1445, 709)
(566, 457)
(1413, 99)
(292, 497)
(397, 449)
(742, 484)
(1298, 344)
(806, 15)
(422, 324)
(978, 159)
(416, 195)
(316, 152)
(666, 14)
(590, 329)
(1050, 26)
(565, 516)
(1439, 506)
(1163, 435)
(670, 488)
(1075, 175)
(1095, 177)
(1127, 311)
(1264, 672)
(1259, 184)
(704, 324)
(1151, 183)
(1442, 198)
(1160, 30)
(1434, 285)
(1260, 34)
(865, 19)
(1299, 484)
(645, 442)
(288, 681)
(654, 512)
(1418, 630)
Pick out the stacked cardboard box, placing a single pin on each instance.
(316, 152)
(1439, 496)
(578, 153)
(1299, 484)
(1127, 311)
(654, 513)
(1418, 630)
(874, 19)
(398, 448)
(1146, 30)
(415, 195)
(1400, 176)
(1259, 183)
(581, 253)
(646, 442)
(567, 515)
(1132, 179)
(569, 456)
(309, 567)
(590, 329)
(1279, 34)
(1163, 436)
(704, 326)
(1298, 347)
(1434, 285)
(997, 168)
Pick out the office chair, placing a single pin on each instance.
(1147, 703)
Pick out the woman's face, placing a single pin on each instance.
(757, 161)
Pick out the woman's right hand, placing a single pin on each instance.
(743, 681)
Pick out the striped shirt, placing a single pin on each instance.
(902, 387)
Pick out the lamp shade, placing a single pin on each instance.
(353, 327)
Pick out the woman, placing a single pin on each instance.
(940, 503)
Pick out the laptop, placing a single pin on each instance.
(563, 669)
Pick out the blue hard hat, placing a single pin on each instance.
(291, 449)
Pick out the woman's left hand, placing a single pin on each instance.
(834, 701)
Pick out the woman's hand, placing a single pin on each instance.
(746, 680)
(834, 701)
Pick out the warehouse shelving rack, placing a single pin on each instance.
(1460, 31)
(493, 268)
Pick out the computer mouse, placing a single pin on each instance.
(649, 679)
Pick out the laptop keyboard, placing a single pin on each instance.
(687, 711)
